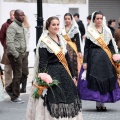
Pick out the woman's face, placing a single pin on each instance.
(98, 20)
(68, 20)
(54, 26)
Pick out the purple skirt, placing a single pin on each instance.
(87, 94)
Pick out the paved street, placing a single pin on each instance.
(15, 111)
(90, 113)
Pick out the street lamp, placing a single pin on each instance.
(39, 27)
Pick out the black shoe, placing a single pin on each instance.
(99, 109)
(103, 108)
(24, 83)
(22, 90)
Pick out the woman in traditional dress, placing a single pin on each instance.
(98, 77)
(72, 35)
(61, 102)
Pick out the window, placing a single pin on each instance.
(73, 10)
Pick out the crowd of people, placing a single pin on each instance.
(80, 74)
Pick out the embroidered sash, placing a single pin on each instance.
(58, 52)
(72, 44)
(74, 47)
(104, 47)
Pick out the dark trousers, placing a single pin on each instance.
(19, 67)
(24, 75)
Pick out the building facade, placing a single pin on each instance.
(50, 1)
(110, 8)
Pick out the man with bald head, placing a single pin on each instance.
(16, 51)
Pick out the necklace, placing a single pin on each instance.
(100, 32)
(58, 43)
(67, 29)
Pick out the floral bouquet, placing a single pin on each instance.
(116, 57)
(44, 81)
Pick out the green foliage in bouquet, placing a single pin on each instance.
(42, 84)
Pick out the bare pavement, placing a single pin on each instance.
(15, 111)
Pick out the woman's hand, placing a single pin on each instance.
(75, 81)
(84, 66)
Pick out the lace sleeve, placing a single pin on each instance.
(77, 37)
(86, 50)
(69, 65)
(43, 60)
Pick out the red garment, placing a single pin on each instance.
(3, 32)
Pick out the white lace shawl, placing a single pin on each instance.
(73, 30)
(106, 31)
(62, 45)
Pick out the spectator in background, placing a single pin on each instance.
(88, 20)
(117, 35)
(80, 25)
(16, 50)
(5, 60)
(27, 36)
(111, 25)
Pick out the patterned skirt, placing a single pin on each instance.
(60, 103)
(88, 94)
(37, 111)
(75, 60)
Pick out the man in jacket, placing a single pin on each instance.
(5, 60)
(16, 50)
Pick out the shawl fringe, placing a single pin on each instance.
(64, 110)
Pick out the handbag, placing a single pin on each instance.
(5, 59)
